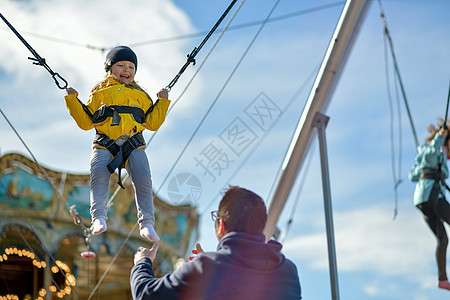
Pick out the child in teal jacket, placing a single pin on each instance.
(430, 171)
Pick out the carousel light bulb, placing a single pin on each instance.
(64, 267)
(71, 280)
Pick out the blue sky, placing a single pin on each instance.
(378, 257)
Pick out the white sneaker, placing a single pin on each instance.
(98, 226)
(149, 232)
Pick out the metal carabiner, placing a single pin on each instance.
(62, 87)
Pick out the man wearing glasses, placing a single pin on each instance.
(243, 267)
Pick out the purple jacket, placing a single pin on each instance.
(244, 267)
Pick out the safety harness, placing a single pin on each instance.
(114, 110)
(120, 153)
(428, 173)
(436, 175)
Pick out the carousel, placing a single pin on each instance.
(46, 249)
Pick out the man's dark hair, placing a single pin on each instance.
(243, 211)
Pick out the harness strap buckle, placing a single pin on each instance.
(115, 117)
(100, 112)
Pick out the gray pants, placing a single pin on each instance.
(139, 170)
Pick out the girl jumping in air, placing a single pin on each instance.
(430, 171)
(119, 110)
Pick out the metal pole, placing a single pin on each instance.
(47, 278)
(333, 63)
(320, 122)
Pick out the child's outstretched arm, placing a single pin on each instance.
(79, 112)
(156, 117)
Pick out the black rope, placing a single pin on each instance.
(397, 73)
(216, 99)
(396, 176)
(38, 60)
(446, 109)
(191, 56)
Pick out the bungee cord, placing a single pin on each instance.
(446, 108)
(38, 60)
(397, 73)
(397, 84)
(193, 54)
(396, 178)
(217, 97)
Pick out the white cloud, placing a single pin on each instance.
(367, 239)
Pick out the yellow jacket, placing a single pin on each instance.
(116, 93)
